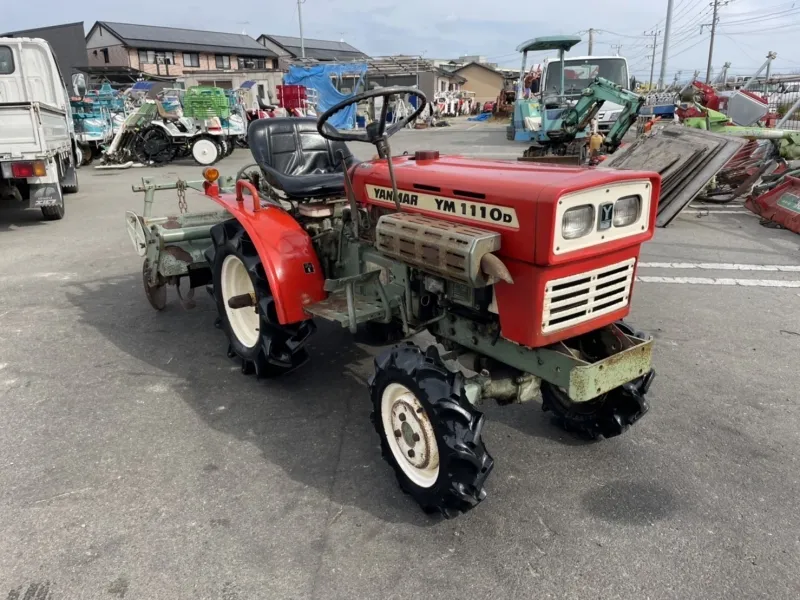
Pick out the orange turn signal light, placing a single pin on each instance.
(210, 174)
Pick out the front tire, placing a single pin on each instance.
(430, 433)
(256, 337)
(608, 415)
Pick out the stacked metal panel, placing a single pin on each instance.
(687, 159)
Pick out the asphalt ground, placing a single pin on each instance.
(137, 462)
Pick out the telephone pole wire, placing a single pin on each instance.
(665, 42)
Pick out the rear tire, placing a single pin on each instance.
(256, 337)
(53, 213)
(430, 433)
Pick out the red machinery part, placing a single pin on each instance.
(780, 205)
(287, 254)
(520, 201)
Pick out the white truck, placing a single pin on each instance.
(37, 139)
(580, 72)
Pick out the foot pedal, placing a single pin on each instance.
(334, 308)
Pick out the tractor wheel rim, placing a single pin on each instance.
(410, 435)
(234, 281)
(205, 151)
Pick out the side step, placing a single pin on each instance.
(334, 308)
(349, 309)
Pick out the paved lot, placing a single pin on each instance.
(137, 462)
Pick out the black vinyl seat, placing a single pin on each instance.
(296, 159)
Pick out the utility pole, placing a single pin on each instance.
(653, 56)
(769, 64)
(617, 48)
(716, 4)
(665, 47)
(300, 19)
(591, 40)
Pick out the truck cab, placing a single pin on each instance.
(37, 147)
(579, 73)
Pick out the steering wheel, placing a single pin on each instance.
(376, 131)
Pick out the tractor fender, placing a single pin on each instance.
(290, 262)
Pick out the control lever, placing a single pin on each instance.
(351, 197)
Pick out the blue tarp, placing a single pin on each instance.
(480, 117)
(319, 78)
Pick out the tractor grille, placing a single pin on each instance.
(578, 298)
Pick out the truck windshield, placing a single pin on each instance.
(580, 73)
(6, 61)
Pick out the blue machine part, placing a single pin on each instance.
(320, 78)
(143, 85)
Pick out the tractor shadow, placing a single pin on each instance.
(314, 424)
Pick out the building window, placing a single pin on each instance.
(223, 61)
(246, 62)
(105, 55)
(191, 59)
(151, 57)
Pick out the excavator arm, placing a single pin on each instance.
(578, 117)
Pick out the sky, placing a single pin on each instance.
(747, 29)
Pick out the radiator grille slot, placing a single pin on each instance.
(579, 298)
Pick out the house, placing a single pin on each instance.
(483, 80)
(193, 57)
(67, 42)
(290, 49)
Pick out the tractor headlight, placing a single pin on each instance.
(627, 210)
(577, 222)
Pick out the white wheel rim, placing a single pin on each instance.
(205, 151)
(410, 435)
(234, 281)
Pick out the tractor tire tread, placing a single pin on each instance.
(281, 348)
(465, 463)
(612, 414)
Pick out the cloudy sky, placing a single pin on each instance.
(748, 29)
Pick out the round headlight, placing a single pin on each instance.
(577, 222)
(626, 210)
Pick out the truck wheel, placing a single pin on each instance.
(255, 336)
(86, 155)
(53, 213)
(608, 415)
(430, 433)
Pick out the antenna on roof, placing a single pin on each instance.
(243, 23)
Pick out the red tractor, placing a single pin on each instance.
(521, 272)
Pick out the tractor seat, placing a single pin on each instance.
(296, 159)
